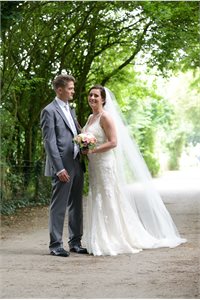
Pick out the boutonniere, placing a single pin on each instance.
(72, 105)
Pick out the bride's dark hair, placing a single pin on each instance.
(102, 91)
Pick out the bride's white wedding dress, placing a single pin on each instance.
(122, 217)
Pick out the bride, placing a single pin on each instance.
(124, 213)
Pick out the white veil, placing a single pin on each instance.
(137, 185)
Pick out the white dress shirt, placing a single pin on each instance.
(66, 110)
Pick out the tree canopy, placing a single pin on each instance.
(97, 42)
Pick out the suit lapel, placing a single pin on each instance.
(59, 110)
(75, 120)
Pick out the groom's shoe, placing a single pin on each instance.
(78, 249)
(60, 252)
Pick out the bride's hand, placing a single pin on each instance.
(93, 150)
(89, 151)
(85, 152)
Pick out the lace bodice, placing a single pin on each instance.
(96, 129)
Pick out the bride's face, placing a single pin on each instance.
(94, 98)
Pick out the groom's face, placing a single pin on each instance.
(66, 93)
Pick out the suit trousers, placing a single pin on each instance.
(67, 197)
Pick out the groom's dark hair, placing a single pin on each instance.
(62, 80)
(102, 91)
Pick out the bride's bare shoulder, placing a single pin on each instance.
(106, 117)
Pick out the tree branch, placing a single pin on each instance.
(125, 63)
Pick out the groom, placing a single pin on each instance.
(59, 127)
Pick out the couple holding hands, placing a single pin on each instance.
(124, 212)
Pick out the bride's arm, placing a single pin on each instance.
(108, 126)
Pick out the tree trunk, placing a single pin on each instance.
(27, 156)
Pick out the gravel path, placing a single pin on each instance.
(27, 271)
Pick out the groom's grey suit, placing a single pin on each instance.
(59, 147)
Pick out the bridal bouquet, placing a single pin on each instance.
(85, 141)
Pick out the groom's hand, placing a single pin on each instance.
(64, 176)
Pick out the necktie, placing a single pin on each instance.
(72, 126)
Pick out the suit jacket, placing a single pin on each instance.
(58, 139)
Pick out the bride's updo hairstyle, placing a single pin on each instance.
(102, 91)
